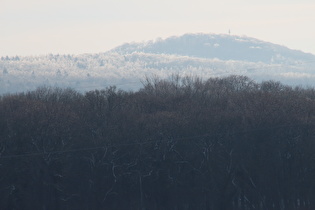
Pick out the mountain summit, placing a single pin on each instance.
(223, 47)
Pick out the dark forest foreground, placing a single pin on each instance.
(178, 144)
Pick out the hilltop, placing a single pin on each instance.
(223, 47)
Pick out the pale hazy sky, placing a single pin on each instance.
(35, 27)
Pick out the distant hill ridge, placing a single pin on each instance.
(223, 47)
(202, 55)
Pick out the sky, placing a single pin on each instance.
(40, 27)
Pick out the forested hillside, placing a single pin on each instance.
(203, 55)
(184, 143)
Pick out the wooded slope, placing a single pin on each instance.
(184, 143)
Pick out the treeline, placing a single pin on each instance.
(184, 143)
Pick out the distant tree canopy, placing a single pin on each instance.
(183, 143)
